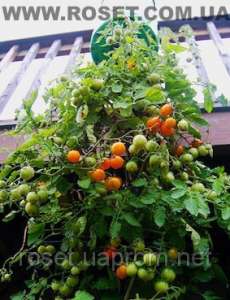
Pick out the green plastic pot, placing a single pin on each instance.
(99, 48)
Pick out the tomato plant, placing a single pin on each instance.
(135, 189)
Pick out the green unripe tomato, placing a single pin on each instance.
(143, 274)
(24, 189)
(23, 203)
(50, 249)
(154, 78)
(58, 140)
(83, 265)
(32, 197)
(2, 184)
(198, 187)
(43, 195)
(72, 281)
(150, 276)
(27, 173)
(187, 158)
(150, 259)
(154, 160)
(169, 177)
(3, 196)
(90, 161)
(131, 270)
(15, 195)
(168, 275)
(151, 146)
(97, 84)
(177, 164)
(75, 257)
(75, 271)
(132, 150)
(183, 125)
(139, 245)
(194, 152)
(131, 167)
(161, 287)
(65, 290)
(203, 151)
(140, 141)
(66, 265)
(7, 277)
(32, 210)
(184, 176)
(55, 286)
(72, 142)
(41, 249)
(212, 195)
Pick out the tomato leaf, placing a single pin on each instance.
(115, 229)
(82, 295)
(84, 183)
(160, 216)
(35, 233)
(131, 219)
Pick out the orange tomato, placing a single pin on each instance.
(73, 156)
(196, 143)
(166, 131)
(97, 175)
(121, 272)
(173, 253)
(113, 183)
(179, 150)
(110, 252)
(118, 149)
(117, 162)
(166, 110)
(154, 124)
(106, 164)
(170, 123)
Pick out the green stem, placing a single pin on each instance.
(127, 294)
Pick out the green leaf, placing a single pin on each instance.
(131, 219)
(117, 88)
(218, 185)
(192, 205)
(225, 213)
(178, 193)
(82, 295)
(160, 216)
(35, 233)
(148, 199)
(140, 182)
(223, 100)
(115, 229)
(197, 119)
(177, 48)
(10, 216)
(155, 94)
(90, 134)
(18, 296)
(84, 183)
(194, 132)
(208, 100)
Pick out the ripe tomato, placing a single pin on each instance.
(113, 183)
(110, 252)
(118, 149)
(73, 156)
(106, 164)
(117, 162)
(173, 253)
(170, 123)
(196, 143)
(166, 131)
(179, 150)
(97, 175)
(168, 275)
(154, 124)
(121, 272)
(166, 110)
(161, 287)
(132, 270)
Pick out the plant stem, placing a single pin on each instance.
(127, 294)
